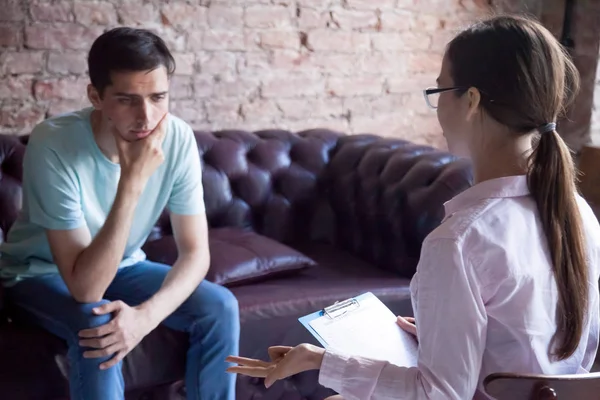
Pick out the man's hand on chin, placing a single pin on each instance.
(117, 338)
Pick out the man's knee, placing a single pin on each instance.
(82, 316)
(227, 303)
(224, 316)
(220, 304)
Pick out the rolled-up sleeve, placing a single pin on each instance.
(452, 325)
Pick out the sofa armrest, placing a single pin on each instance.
(387, 195)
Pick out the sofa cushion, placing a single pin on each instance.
(237, 256)
(339, 275)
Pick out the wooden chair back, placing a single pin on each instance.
(507, 386)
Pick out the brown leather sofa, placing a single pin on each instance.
(358, 206)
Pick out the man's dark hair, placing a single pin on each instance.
(126, 49)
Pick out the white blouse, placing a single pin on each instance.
(484, 298)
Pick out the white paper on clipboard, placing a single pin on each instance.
(365, 327)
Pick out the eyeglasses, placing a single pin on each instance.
(432, 95)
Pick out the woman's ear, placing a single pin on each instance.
(94, 97)
(474, 99)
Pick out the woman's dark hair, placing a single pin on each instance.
(126, 49)
(526, 81)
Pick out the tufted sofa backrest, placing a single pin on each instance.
(377, 198)
(266, 181)
(12, 151)
(387, 195)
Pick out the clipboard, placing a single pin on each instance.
(362, 326)
(337, 309)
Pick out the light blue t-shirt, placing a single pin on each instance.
(68, 183)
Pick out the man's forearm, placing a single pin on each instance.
(97, 265)
(184, 277)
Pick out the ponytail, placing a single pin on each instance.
(526, 78)
(551, 180)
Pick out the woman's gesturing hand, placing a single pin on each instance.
(285, 361)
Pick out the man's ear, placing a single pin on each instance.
(474, 99)
(94, 97)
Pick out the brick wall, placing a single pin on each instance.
(352, 65)
(585, 32)
(586, 37)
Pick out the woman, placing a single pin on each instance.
(509, 281)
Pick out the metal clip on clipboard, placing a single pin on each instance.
(340, 308)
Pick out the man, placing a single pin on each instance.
(94, 183)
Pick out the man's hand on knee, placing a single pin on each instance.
(127, 328)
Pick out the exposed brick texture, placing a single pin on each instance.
(586, 35)
(354, 65)
(585, 32)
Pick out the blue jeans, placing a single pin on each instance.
(209, 315)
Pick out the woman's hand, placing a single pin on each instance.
(285, 362)
(407, 324)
